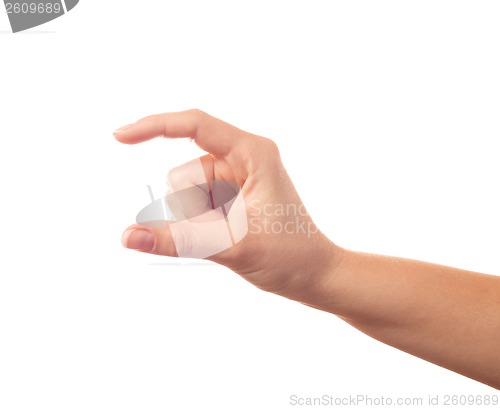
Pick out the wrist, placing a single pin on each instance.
(320, 288)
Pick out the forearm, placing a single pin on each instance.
(447, 316)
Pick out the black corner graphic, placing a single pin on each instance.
(32, 13)
(70, 4)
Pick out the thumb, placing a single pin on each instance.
(201, 236)
(186, 238)
(149, 240)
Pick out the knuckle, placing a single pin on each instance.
(175, 176)
(198, 113)
(269, 148)
(165, 244)
(184, 242)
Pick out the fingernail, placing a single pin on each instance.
(123, 128)
(142, 240)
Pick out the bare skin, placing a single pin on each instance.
(447, 316)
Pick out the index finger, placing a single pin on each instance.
(210, 134)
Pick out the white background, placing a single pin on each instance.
(386, 114)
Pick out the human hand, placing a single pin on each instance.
(283, 251)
